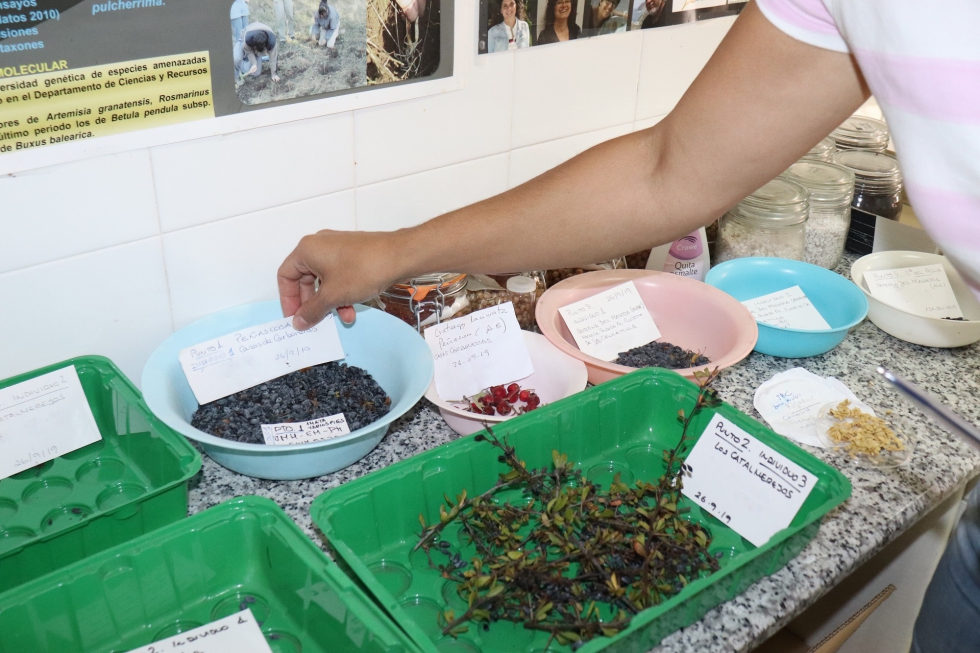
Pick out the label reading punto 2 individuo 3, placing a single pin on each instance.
(749, 486)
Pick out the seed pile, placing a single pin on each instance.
(661, 354)
(318, 391)
(863, 433)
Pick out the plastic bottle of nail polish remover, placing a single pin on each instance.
(685, 257)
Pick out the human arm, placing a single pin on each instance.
(760, 103)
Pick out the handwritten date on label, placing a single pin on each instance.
(237, 361)
(233, 634)
(746, 484)
(43, 418)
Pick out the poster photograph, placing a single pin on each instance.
(72, 70)
(517, 24)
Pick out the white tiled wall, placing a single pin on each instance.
(111, 254)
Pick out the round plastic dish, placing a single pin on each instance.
(556, 376)
(390, 350)
(688, 313)
(919, 329)
(884, 459)
(838, 300)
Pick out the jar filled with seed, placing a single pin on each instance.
(426, 300)
(769, 222)
(521, 288)
(877, 182)
(560, 274)
(860, 133)
(831, 188)
(822, 151)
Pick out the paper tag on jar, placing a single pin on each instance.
(244, 359)
(314, 430)
(921, 290)
(747, 485)
(233, 634)
(610, 322)
(787, 309)
(43, 418)
(479, 350)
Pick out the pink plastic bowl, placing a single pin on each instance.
(689, 314)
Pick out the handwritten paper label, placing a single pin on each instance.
(922, 290)
(611, 322)
(788, 309)
(747, 485)
(233, 634)
(232, 363)
(477, 351)
(43, 418)
(790, 401)
(314, 430)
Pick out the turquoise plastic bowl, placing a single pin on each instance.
(390, 350)
(837, 299)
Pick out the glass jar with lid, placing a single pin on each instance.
(822, 151)
(877, 182)
(860, 133)
(521, 288)
(831, 188)
(425, 300)
(769, 222)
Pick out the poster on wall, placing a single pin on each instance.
(516, 24)
(77, 69)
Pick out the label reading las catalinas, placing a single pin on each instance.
(81, 103)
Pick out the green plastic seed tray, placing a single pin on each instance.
(621, 426)
(131, 482)
(244, 553)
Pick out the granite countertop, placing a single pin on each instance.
(884, 503)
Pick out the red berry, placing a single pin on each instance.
(512, 399)
(529, 408)
(498, 391)
(488, 409)
(533, 400)
(486, 399)
(475, 408)
(504, 408)
(512, 388)
(523, 395)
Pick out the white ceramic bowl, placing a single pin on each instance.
(556, 376)
(918, 329)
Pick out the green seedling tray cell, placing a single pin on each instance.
(131, 482)
(621, 426)
(244, 552)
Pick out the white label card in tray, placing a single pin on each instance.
(244, 359)
(789, 309)
(750, 487)
(922, 290)
(233, 634)
(314, 430)
(43, 418)
(477, 351)
(610, 322)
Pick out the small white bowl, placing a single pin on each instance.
(918, 329)
(556, 376)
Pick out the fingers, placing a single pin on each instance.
(293, 276)
(312, 312)
(346, 314)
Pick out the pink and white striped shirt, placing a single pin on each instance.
(921, 61)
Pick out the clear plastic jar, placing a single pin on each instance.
(822, 151)
(860, 133)
(769, 222)
(560, 274)
(831, 188)
(877, 182)
(426, 300)
(522, 288)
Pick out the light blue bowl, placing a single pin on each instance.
(390, 350)
(837, 299)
